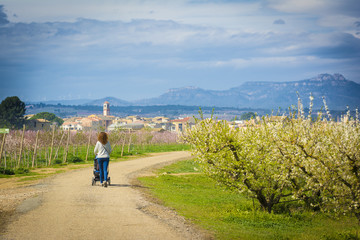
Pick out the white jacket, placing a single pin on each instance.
(102, 151)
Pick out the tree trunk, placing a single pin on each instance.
(357, 215)
(46, 156)
(21, 144)
(35, 148)
(29, 156)
(123, 145)
(15, 159)
(36, 159)
(57, 150)
(67, 146)
(88, 147)
(2, 148)
(52, 145)
(25, 158)
(129, 144)
(267, 206)
(5, 158)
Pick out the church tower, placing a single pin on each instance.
(106, 108)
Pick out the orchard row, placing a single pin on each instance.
(293, 162)
(24, 149)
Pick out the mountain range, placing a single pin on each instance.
(336, 89)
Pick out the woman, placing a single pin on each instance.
(102, 151)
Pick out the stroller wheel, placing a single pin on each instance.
(93, 182)
(109, 181)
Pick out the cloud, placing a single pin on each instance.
(310, 15)
(349, 7)
(213, 13)
(106, 44)
(294, 6)
(289, 61)
(318, 7)
(345, 46)
(160, 44)
(3, 16)
(279, 21)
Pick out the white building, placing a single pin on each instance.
(71, 126)
(106, 108)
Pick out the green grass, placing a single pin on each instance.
(143, 149)
(32, 178)
(188, 166)
(230, 215)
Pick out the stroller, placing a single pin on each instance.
(96, 173)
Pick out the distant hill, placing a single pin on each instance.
(86, 102)
(197, 97)
(112, 100)
(338, 92)
(63, 102)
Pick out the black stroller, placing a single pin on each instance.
(96, 172)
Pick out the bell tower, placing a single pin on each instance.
(106, 109)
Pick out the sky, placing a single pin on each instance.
(137, 49)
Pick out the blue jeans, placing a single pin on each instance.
(103, 165)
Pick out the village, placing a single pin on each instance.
(107, 122)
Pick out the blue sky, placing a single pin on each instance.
(135, 49)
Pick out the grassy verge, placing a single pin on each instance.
(143, 149)
(230, 215)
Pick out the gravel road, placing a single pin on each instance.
(70, 208)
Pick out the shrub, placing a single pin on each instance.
(75, 159)
(7, 171)
(58, 161)
(22, 171)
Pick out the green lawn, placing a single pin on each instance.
(229, 215)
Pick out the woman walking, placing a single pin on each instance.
(102, 151)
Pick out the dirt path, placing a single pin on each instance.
(71, 208)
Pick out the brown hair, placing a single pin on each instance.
(103, 138)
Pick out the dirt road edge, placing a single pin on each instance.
(153, 207)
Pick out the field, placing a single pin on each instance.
(28, 150)
(231, 215)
